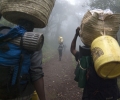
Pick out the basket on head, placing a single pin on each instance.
(37, 11)
(92, 26)
(60, 39)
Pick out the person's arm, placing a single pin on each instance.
(39, 87)
(37, 74)
(73, 44)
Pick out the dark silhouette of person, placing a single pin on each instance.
(60, 49)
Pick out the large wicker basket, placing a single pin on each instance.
(37, 11)
(93, 27)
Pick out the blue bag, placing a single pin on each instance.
(14, 64)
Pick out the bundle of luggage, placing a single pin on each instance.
(60, 39)
(99, 32)
(96, 23)
(17, 44)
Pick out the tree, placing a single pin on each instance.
(114, 5)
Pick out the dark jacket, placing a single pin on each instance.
(35, 71)
(96, 87)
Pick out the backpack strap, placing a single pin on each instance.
(19, 77)
(4, 27)
(20, 62)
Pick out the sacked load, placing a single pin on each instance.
(99, 31)
(60, 39)
(15, 49)
(98, 22)
(37, 11)
(31, 41)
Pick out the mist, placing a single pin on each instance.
(66, 16)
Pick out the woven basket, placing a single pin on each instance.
(92, 27)
(37, 11)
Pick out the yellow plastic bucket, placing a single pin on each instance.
(106, 56)
(60, 39)
(34, 96)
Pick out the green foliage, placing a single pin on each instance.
(114, 5)
(49, 49)
(74, 62)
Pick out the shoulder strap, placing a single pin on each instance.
(4, 27)
(20, 62)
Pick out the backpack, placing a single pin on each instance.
(93, 85)
(14, 64)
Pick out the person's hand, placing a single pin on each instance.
(77, 31)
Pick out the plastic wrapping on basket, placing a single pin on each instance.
(96, 24)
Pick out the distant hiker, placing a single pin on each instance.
(65, 47)
(20, 69)
(95, 87)
(60, 50)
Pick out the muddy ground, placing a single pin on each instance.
(59, 78)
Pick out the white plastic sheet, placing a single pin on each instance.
(102, 13)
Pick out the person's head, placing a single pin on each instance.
(28, 25)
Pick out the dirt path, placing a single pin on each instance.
(59, 79)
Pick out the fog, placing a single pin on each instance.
(70, 13)
(66, 16)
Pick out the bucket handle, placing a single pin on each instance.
(81, 66)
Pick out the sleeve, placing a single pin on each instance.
(36, 71)
(77, 56)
